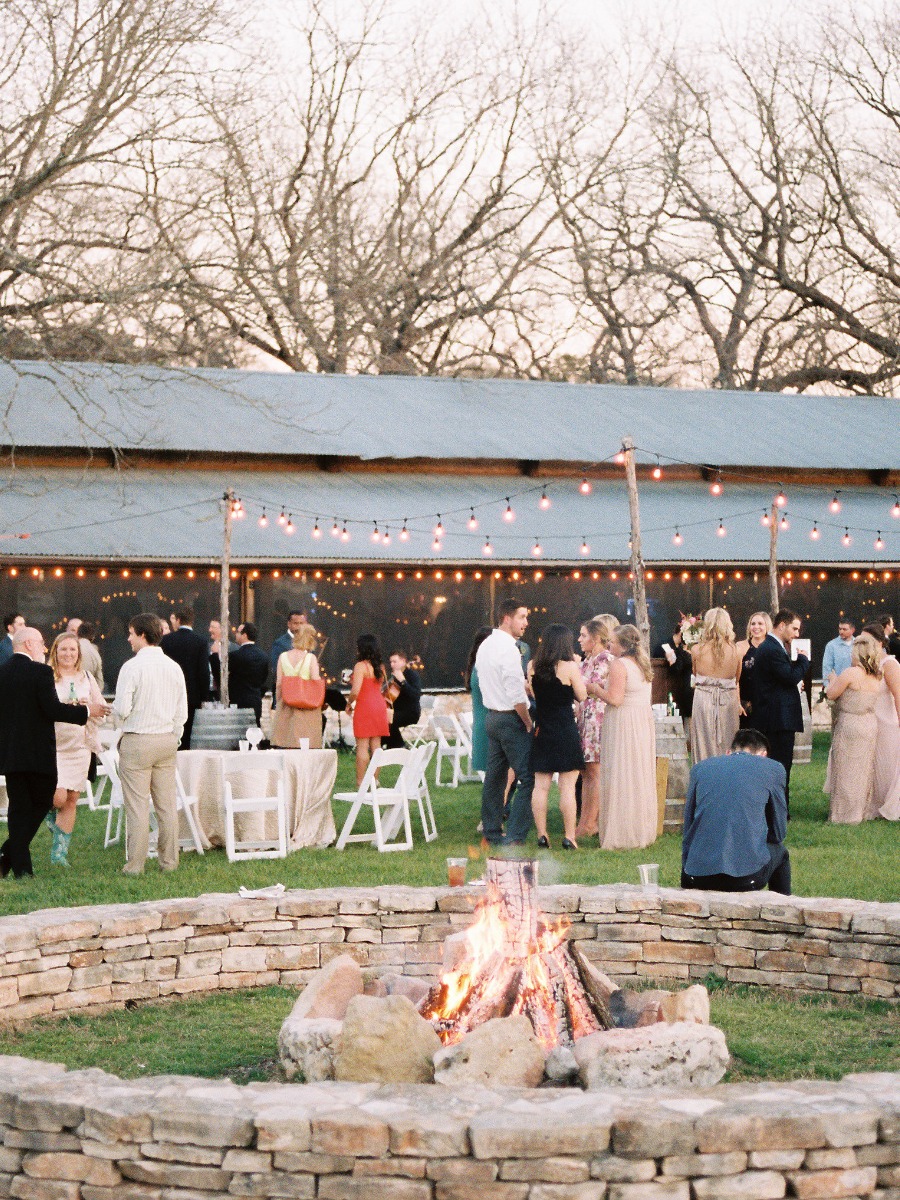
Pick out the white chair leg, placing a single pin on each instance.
(347, 828)
(191, 819)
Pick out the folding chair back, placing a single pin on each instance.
(256, 843)
(394, 799)
(116, 806)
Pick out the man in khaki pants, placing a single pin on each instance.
(151, 709)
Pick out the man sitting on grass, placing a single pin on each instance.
(735, 821)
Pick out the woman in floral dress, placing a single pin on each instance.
(595, 672)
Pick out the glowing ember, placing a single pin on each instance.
(513, 963)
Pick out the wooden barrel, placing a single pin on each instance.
(220, 728)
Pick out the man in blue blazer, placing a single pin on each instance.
(735, 821)
(777, 708)
(295, 622)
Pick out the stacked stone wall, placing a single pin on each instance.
(62, 960)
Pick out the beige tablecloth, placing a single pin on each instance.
(309, 781)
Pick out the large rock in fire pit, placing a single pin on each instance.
(659, 1055)
(306, 1048)
(384, 1040)
(502, 1052)
(331, 990)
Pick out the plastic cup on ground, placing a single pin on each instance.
(649, 873)
(456, 872)
(304, 743)
(243, 744)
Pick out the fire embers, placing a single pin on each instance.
(512, 963)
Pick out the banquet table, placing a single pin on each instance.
(309, 778)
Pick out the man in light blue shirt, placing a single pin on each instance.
(838, 652)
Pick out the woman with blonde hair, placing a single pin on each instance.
(759, 627)
(628, 764)
(886, 783)
(74, 743)
(717, 667)
(593, 639)
(292, 724)
(850, 775)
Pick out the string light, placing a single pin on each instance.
(784, 522)
(403, 535)
(544, 501)
(721, 531)
(436, 545)
(879, 541)
(584, 487)
(289, 527)
(509, 515)
(438, 529)
(835, 505)
(282, 518)
(620, 458)
(715, 488)
(345, 533)
(781, 498)
(335, 529)
(846, 540)
(814, 532)
(375, 535)
(585, 548)
(657, 470)
(263, 520)
(536, 550)
(895, 511)
(472, 522)
(677, 540)
(765, 519)
(386, 538)
(487, 549)
(316, 531)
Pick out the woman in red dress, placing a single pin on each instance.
(370, 714)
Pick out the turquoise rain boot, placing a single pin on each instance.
(59, 851)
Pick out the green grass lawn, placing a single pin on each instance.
(234, 1035)
(827, 860)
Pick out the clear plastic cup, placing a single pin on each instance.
(243, 744)
(649, 873)
(456, 871)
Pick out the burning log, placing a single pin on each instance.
(516, 964)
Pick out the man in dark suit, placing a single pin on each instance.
(735, 821)
(777, 708)
(248, 670)
(29, 708)
(295, 622)
(891, 635)
(408, 703)
(11, 622)
(191, 652)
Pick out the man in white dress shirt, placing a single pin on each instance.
(151, 708)
(509, 727)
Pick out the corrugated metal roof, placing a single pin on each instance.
(170, 516)
(236, 412)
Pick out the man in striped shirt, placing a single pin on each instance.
(151, 709)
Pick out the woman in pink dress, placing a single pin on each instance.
(74, 743)
(885, 800)
(593, 638)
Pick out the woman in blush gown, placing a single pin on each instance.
(628, 812)
(886, 784)
(717, 668)
(851, 761)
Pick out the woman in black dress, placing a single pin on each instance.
(758, 627)
(556, 682)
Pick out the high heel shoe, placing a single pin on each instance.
(568, 845)
(543, 843)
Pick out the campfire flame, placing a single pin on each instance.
(513, 964)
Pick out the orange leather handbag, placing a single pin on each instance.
(302, 693)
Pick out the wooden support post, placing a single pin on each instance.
(639, 589)
(224, 594)
(773, 560)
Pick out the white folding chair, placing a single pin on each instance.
(186, 806)
(116, 806)
(394, 800)
(448, 747)
(420, 790)
(238, 848)
(464, 739)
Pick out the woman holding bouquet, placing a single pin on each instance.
(717, 668)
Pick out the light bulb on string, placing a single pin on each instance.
(439, 529)
(895, 511)
(386, 537)
(814, 532)
(657, 470)
(335, 529)
(509, 515)
(237, 509)
(721, 531)
(879, 541)
(715, 488)
(263, 520)
(436, 545)
(784, 524)
(289, 525)
(781, 498)
(765, 519)
(585, 487)
(536, 550)
(846, 540)
(544, 501)
(375, 535)
(316, 531)
(835, 505)
(620, 458)
(585, 548)
(403, 535)
(487, 549)
(677, 540)
(345, 533)
(282, 517)
(472, 522)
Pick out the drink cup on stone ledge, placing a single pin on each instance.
(456, 872)
(649, 873)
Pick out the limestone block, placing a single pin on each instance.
(751, 1185)
(810, 1185)
(683, 1054)
(273, 1184)
(350, 1131)
(616, 1169)
(385, 1041)
(306, 1048)
(75, 1167)
(503, 1052)
(664, 1189)
(331, 991)
(339, 1187)
(244, 958)
(547, 1170)
(415, 988)
(561, 1066)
